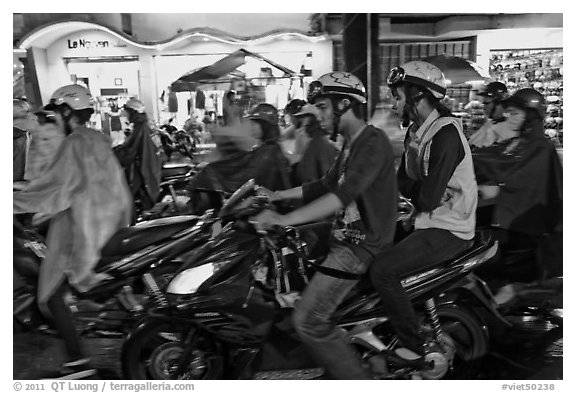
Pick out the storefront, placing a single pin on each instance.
(530, 58)
(115, 66)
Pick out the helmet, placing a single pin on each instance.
(294, 106)
(419, 73)
(308, 109)
(496, 90)
(265, 112)
(528, 98)
(136, 105)
(20, 108)
(338, 82)
(75, 96)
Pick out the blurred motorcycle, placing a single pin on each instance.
(228, 308)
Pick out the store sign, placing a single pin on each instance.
(88, 44)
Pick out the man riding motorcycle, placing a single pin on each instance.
(496, 128)
(437, 174)
(360, 189)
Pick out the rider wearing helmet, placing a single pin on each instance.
(319, 153)
(437, 174)
(140, 158)
(264, 123)
(265, 162)
(84, 192)
(523, 179)
(359, 193)
(295, 139)
(495, 129)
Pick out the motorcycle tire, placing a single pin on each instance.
(153, 350)
(466, 332)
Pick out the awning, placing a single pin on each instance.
(223, 70)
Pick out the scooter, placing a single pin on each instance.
(226, 314)
(156, 247)
(173, 196)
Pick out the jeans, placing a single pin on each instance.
(422, 249)
(313, 313)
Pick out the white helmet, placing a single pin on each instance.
(419, 73)
(136, 105)
(75, 96)
(337, 82)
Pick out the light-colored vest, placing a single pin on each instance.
(457, 212)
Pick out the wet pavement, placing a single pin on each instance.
(533, 350)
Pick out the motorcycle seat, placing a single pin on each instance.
(483, 240)
(175, 170)
(136, 237)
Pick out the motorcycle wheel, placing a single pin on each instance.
(465, 335)
(154, 352)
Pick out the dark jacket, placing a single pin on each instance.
(530, 180)
(266, 164)
(18, 154)
(317, 159)
(138, 156)
(368, 192)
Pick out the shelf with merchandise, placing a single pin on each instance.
(540, 69)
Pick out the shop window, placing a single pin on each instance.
(540, 69)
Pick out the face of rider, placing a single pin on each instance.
(256, 129)
(488, 106)
(516, 117)
(401, 107)
(324, 105)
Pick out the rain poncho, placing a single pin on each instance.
(143, 165)
(46, 141)
(265, 163)
(85, 191)
(529, 174)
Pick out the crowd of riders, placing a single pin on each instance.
(507, 176)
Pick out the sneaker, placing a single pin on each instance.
(76, 369)
(404, 357)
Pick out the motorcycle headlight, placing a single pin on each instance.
(188, 281)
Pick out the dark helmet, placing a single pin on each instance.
(528, 98)
(135, 105)
(264, 112)
(496, 90)
(294, 106)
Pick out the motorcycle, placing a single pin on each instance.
(526, 281)
(156, 247)
(226, 313)
(173, 195)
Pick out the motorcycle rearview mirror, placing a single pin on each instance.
(237, 196)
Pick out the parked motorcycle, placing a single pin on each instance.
(156, 247)
(173, 196)
(226, 314)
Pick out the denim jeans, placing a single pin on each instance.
(421, 249)
(313, 315)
